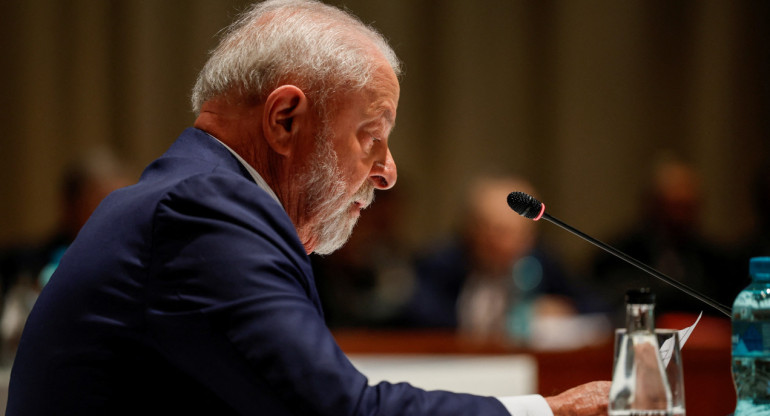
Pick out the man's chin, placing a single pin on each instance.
(334, 235)
(328, 247)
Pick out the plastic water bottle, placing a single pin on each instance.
(639, 383)
(751, 342)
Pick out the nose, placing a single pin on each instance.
(383, 174)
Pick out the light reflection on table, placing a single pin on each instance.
(487, 375)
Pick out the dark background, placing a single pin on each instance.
(581, 97)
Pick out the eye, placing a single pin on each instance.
(371, 140)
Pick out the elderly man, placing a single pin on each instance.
(191, 292)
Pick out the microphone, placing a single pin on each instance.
(529, 207)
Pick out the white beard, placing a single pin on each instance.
(325, 192)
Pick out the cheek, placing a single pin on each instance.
(357, 178)
(354, 171)
(353, 163)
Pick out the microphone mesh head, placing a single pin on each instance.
(524, 204)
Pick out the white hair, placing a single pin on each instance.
(321, 49)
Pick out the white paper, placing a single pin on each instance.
(667, 349)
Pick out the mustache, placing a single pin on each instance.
(365, 195)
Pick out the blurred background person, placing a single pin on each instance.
(26, 268)
(369, 279)
(758, 242)
(496, 281)
(668, 237)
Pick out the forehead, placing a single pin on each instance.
(382, 94)
(377, 101)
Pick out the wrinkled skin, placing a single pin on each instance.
(588, 399)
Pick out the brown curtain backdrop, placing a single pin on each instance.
(579, 96)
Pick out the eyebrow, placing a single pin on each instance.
(388, 116)
(383, 112)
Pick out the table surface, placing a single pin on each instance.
(486, 374)
(709, 388)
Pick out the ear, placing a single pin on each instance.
(286, 109)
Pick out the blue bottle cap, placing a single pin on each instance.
(759, 268)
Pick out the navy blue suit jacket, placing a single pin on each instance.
(190, 293)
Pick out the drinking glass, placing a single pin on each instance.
(671, 351)
(671, 355)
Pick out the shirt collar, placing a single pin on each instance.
(253, 172)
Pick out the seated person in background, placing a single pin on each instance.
(27, 268)
(496, 279)
(669, 239)
(367, 281)
(758, 242)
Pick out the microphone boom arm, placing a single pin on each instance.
(684, 288)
